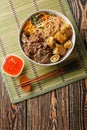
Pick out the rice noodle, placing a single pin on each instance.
(49, 27)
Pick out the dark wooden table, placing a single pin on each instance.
(62, 109)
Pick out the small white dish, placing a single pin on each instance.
(12, 65)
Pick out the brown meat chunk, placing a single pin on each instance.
(37, 49)
(24, 38)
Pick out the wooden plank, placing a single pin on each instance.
(85, 105)
(12, 117)
(49, 112)
(62, 109)
(38, 110)
(79, 10)
(76, 105)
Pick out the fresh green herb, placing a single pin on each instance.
(35, 18)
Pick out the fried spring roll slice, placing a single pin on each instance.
(60, 37)
(64, 33)
(66, 30)
(68, 44)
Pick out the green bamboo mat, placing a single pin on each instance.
(12, 14)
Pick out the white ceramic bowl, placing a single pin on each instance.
(72, 38)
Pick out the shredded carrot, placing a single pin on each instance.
(29, 27)
(44, 17)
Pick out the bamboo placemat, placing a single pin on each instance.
(12, 14)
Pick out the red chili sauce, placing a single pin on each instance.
(13, 65)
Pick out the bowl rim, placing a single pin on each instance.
(56, 13)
